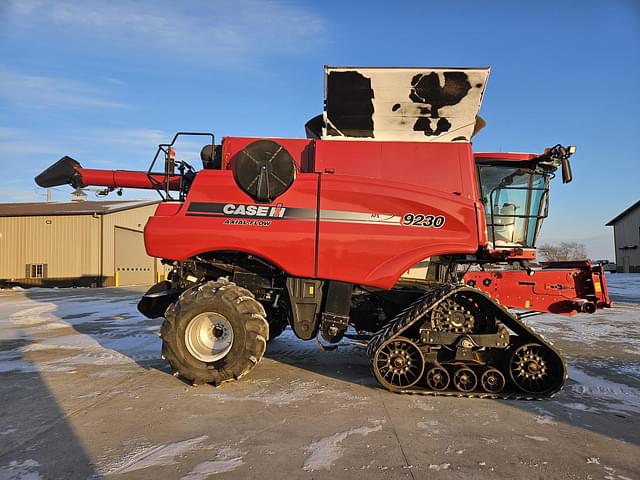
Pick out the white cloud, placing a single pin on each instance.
(211, 31)
(10, 133)
(138, 144)
(19, 142)
(31, 151)
(126, 137)
(23, 148)
(143, 141)
(37, 91)
(24, 153)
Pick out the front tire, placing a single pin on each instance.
(214, 333)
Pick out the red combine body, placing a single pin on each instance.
(382, 225)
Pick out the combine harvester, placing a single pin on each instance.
(381, 226)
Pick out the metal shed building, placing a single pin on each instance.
(626, 234)
(76, 244)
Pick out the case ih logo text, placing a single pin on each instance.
(253, 211)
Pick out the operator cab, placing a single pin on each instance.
(514, 189)
(515, 202)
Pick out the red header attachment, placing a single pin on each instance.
(564, 288)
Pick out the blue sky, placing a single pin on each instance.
(105, 82)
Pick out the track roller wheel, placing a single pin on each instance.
(214, 333)
(437, 379)
(535, 369)
(398, 364)
(465, 380)
(492, 381)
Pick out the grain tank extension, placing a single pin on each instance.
(382, 226)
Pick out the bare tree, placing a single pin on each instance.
(563, 251)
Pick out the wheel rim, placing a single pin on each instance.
(492, 381)
(438, 378)
(465, 380)
(398, 364)
(532, 368)
(209, 337)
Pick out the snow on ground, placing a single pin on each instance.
(91, 327)
(86, 329)
(325, 413)
(624, 287)
(595, 329)
(154, 455)
(204, 470)
(323, 453)
(26, 470)
(603, 350)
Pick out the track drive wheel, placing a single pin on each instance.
(398, 364)
(214, 333)
(462, 313)
(535, 369)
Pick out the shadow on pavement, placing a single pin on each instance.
(351, 364)
(109, 317)
(347, 363)
(36, 438)
(113, 321)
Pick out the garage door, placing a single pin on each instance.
(133, 265)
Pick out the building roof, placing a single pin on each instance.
(623, 214)
(70, 208)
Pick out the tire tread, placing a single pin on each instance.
(221, 294)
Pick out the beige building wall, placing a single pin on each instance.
(67, 244)
(133, 219)
(626, 233)
(71, 246)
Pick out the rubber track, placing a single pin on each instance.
(423, 306)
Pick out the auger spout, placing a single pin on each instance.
(68, 171)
